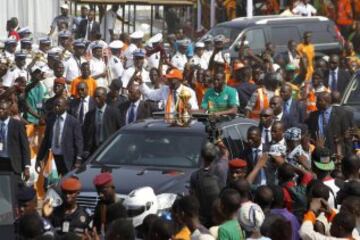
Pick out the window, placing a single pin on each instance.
(353, 97)
(281, 35)
(256, 38)
(321, 33)
(146, 148)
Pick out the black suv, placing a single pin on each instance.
(157, 154)
(279, 30)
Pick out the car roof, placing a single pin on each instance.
(244, 22)
(195, 126)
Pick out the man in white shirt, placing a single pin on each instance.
(136, 43)
(266, 121)
(170, 93)
(73, 64)
(18, 70)
(304, 8)
(136, 71)
(154, 59)
(180, 59)
(199, 58)
(114, 63)
(98, 67)
(8, 56)
(108, 23)
(208, 51)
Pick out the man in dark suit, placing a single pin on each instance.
(83, 104)
(265, 124)
(100, 123)
(64, 137)
(245, 88)
(14, 145)
(88, 27)
(328, 122)
(114, 98)
(134, 108)
(252, 155)
(276, 103)
(336, 79)
(58, 88)
(291, 107)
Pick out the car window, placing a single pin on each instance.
(353, 95)
(228, 32)
(281, 35)
(147, 148)
(234, 137)
(321, 33)
(256, 38)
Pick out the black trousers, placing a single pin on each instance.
(60, 165)
(5, 166)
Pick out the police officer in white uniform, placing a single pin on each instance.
(220, 55)
(73, 64)
(154, 59)
(208, 51)
(136, 43)
(98, 67)
(198, 59)
(26, 47)
(9, 51)
(64, 41)
(115, 65)
(137, 70)
(180, 59)
(18, 70)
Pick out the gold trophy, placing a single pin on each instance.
(183, 107)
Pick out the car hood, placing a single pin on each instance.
(128, 178)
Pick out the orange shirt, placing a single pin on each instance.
(90, 82)
(309, 52)
(230, 6)
(344, 12)
(200, 91)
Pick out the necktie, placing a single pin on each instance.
(81, 111)
(260, 178)
(286, 108)
(334, 81)
(131, 117)
(89, 29)
(99, 136)
(324, 115)
(175, 97)
(2, 135)
(57, 132)
(267, 138)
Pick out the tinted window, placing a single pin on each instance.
(256, 38)
(321, 33)
(234, 137)
(354, 94)
(229, 33)
(167, 149)
(281, 35)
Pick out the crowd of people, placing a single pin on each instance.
(298, 177)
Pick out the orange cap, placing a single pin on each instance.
(175, 73)
(60, 80)
(71, 184)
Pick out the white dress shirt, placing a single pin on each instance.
(263, 135)
(135, 110)
(128, 73)
(196, 60)
(86, 102)
(108, 23)
(14, 73)
(116, 67)
(4, 153)
(259, 151)
(58, 150)
(163, 92)
(279, 116)
(153, 61)
(304, 10)
(72, 68)
(129, 55)
(97, 66)
(179, 60)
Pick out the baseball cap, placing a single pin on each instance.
(174, 73)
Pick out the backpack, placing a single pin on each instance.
(207, 191)
(299, 201)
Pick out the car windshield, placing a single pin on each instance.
(353, 97)
(156, 149)
(230, 33)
